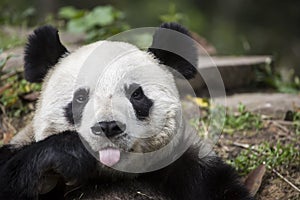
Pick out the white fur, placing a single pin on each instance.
(118, 64)
(106, 68)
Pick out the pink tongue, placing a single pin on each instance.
(109, 156)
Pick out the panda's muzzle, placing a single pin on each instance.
(109, 128)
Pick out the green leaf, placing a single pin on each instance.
(69, 12)
(101, 15)
(77, 26)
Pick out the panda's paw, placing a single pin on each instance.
(69, 158)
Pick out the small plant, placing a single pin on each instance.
(216, 118)
(13, 89)
(173, 15)
(99, 23)
(10, 15)
(212, 119)
(268, 77)
(242, 120)
(296, 122)
(8, 41)
(3, 61)
(271, 155)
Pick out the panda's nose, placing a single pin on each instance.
(110, 129)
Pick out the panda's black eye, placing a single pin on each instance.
(140, 102)
(74, 109)
(81, 96)
(138, 94)
(81, 99)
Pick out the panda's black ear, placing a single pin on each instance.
(163, 40)
(42, 51)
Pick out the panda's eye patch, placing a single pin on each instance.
(81, 96)
(140, 102)
(138, 94)
(74, 109)
(134, 91)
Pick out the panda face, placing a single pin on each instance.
(118, 98)
(129, 103)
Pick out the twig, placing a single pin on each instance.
(286, 123)
(143, 194)
(9, 74)
(284, 129)
(244, 146)
(287, 181)
(4, 88)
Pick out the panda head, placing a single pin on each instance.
(120, 99)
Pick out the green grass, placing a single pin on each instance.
(242, 120)
(266, 153)
(218, 118)
(271, 155)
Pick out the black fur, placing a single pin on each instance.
(188, 178)
(42, 51)
(140, 102)
(74, 109)
(162, 41)
(69, 113)
(64, 154)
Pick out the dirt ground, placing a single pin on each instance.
(272, 187)
(275, 129)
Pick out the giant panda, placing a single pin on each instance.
(89, 123)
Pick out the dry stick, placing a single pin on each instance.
(142, 194)
(4, 88)
(285, 123)
(287, 181)
(280, 126)
(247, 146)
(9, 74)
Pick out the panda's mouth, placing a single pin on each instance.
(109, 156)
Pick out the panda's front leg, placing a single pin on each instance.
(64, 153)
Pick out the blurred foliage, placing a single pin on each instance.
(272, 156)
(12, 17)
(16, 86)
(3, 61)
(296, 121)
(8, 41)
(234, 27)
(99, 23)
(212, 119)
(267, 76)
(173, 15)
(12, 87)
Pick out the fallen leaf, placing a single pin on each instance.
(7, 137)
(254, 179)
(31, 96)
(203, 103)
(4, 88)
